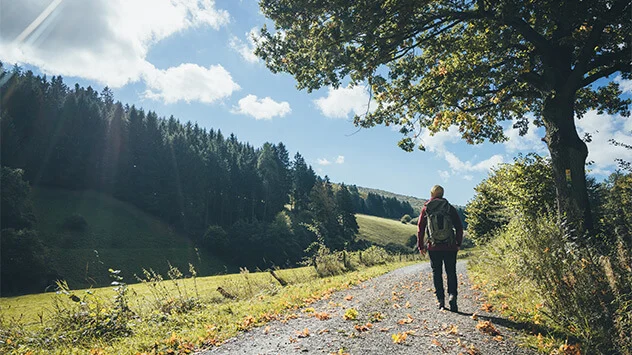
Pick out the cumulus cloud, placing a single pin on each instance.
(341, 102)
(323, 161)
(459, 166)
(190, 82)
(444, 175)
(602, 128)
(246, 49)
(106, 40)
(625, 85)
(340, 159)
(261, 109)
(530, 142)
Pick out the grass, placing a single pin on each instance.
(382, 231)
(117, 235)
(259, 299)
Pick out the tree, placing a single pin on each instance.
(435, 64)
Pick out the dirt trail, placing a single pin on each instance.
(405, 299)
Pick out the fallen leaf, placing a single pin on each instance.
(322, 315)
(323, 331)
(303, 334)
(348, 298)
(407, 304)
(498, 338)
(266, 330)
(293, 340)
(487, 307)
(475, 316)
(399, 338)
(435, 342)
(406, 320)
(487, 327)
(452, 329)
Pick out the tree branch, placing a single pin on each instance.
(602, 73)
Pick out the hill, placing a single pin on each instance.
(115, 235)
(383, 231)
(416, 202)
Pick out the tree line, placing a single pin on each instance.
(255, 206)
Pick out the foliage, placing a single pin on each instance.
(216, 239)
(17, 209)
(405, 218)
(583, 293)
(414, 221)
(431, 65)
(375, 256)
(524, 187)
(171, 296)
(25, 263)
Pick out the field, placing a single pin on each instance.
(117, 235)
(172, 316)
(382, 231)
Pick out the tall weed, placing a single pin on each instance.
(585, 294)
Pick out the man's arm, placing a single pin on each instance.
(421, 229)
(458, 225)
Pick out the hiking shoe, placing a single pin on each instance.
(441, 304)
(452, 302)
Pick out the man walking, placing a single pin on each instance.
(440, 224)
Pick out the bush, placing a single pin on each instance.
(586, 294)
(75, 222)
(414, 221)
(215, 239)
(25, 266)
(405, 218)
(375, 256)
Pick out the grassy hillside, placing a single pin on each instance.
(382, 231)
(116, 235)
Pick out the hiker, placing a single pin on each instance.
(443, 231)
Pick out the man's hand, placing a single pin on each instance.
(422, 251)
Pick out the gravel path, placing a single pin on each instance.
(405, 299)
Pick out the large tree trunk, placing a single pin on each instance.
(568, 158)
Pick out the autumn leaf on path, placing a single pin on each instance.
(487, 327)
(452, 329)
(350, 314)
(487, 307)
(406, 320)
(322, 315)
(303, 334)
(399, 338)
(348, 298)
(436, 343)
(363, 328)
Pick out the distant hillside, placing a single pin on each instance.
(384, 231)
(116, 235)
(416, 202)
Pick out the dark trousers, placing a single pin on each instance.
(437, 260)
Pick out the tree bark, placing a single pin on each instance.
(568, 159)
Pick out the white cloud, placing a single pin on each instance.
(444, 175)
(603, 128)
(625, 85)
(323, 161)
(459, 166)
(468, 177)
(530, 142)
(340, 159)
(341, 102)
(261, 109)
(103, 40)
(190, 82)
(246, 49)
(436, 143)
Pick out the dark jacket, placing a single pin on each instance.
(421, 230)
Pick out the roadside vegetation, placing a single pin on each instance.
(571, 293)
(179, 312)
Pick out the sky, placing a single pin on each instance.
(194, 59)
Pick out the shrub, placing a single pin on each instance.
(412, 242)
(414, 221)
(24, 263)
(585, 293)
(375, 256)
(215, 238)
(75, 222)
(405, 218)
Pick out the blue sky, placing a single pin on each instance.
(193, 59)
